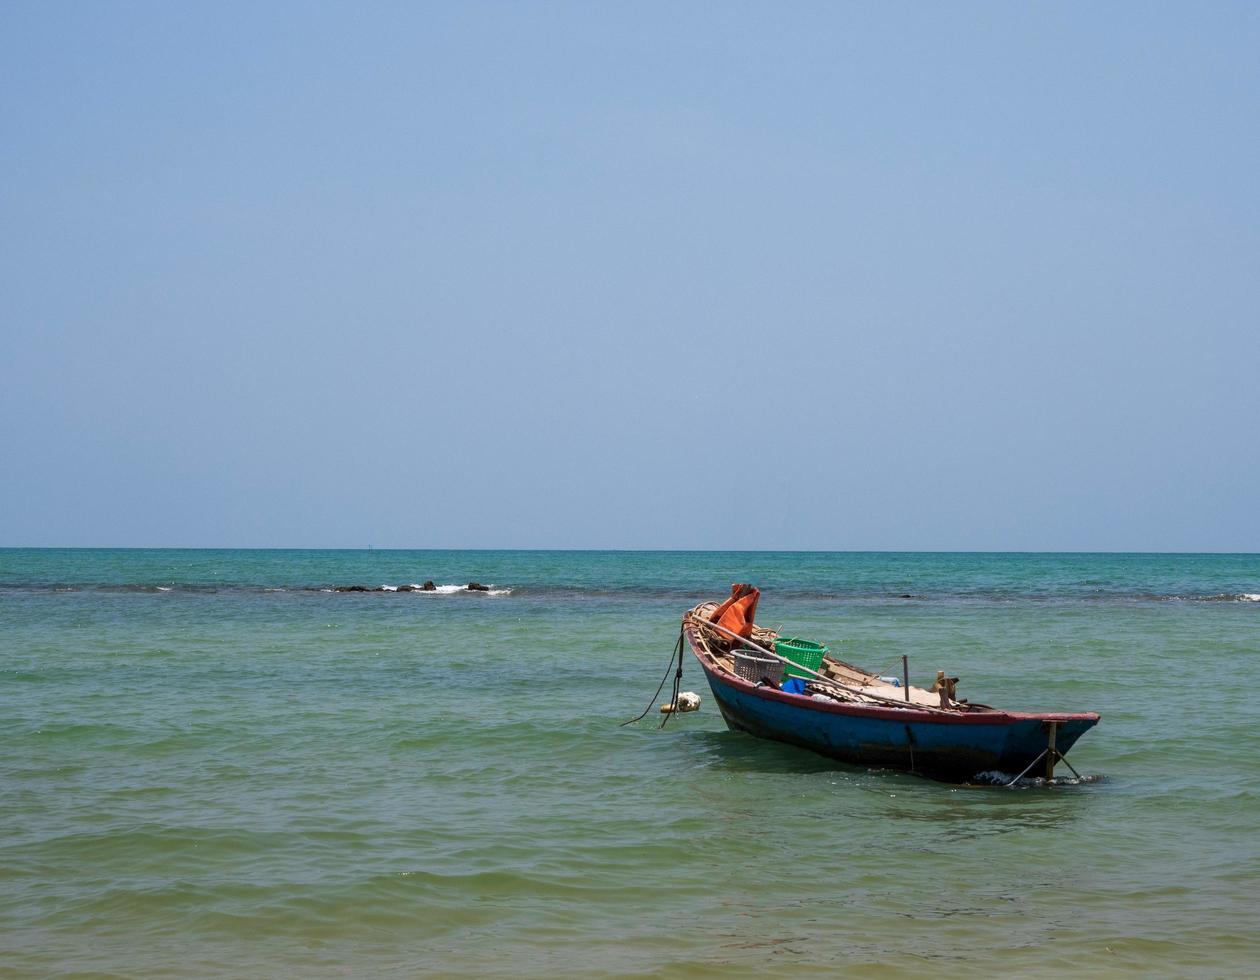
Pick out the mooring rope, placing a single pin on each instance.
(673, 701)
(675, 655)
(887, 671)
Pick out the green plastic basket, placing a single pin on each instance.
(807, 653)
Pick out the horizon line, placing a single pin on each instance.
(693, 551)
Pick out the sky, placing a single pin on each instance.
(823, 276)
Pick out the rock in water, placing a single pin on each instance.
(428, 586)
(478, 587)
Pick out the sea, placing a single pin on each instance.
(213, 763)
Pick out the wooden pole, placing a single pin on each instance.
(1051, 752)
(905, 675)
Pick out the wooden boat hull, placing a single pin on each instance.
(947, 746)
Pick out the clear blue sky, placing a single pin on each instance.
(822, 276)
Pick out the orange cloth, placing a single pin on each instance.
(737, 590)
(739, 611)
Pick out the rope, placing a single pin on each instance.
(677, 652)
(677, 680)
(888, 671)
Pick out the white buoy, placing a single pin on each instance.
(687, 701)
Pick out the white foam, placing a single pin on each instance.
(1249, 597)
(437, 590)
(163, 588)
(998, 778)
(452, 589)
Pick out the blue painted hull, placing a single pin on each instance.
(951, 747)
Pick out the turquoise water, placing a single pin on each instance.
(211, 766)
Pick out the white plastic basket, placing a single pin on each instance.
(754, 667)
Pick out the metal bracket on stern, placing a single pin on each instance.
(1050, 753)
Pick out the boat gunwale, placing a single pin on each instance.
(981, 716)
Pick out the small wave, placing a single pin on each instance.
(452, 589)
(427, 589)
(995, 777)
(164, 588)
(1221, 597)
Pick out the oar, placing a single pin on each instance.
(826, 680)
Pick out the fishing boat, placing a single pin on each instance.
(856, 716)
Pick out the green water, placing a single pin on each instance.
(248, 776)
